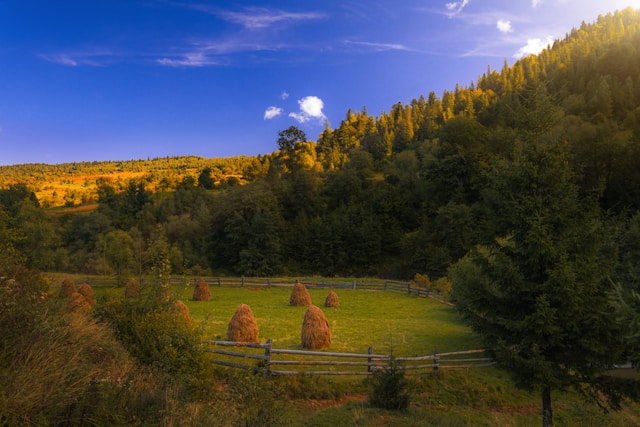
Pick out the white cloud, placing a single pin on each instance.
(272, 113)
(504, 26)
(533, 47)
(194, 59)
(310, 109)
(455, 8)
(380, 46)
(284, 95)
(536, 3)
(257, 17)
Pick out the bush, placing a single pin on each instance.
(390, 386)
(156, 333)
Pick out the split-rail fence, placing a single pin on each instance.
(264, 358)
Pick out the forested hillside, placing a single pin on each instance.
(409, 191)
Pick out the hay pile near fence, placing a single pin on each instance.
(201, 291)
(77, 302)
(181, 309)
(299, 295)
(243, 326)
(68, 288)
(332, 300)
(316, 333)
(132, 289)
(87, 292)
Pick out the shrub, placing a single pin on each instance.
(299, 295)
(243, 326)
(389, 387)
(201, 291)
(316, 333)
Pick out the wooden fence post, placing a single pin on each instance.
(435, 359)
(369, 360)
(268, 282)
(354, 284)
(267, 357)
(242, 283)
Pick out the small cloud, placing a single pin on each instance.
(455, 8)
(380, 46)
(194, 59)
(255, 18)
(310, 109)
(60, 59)
(284, 95)
(272, 113)
(533, 47)
(504, 26)
(536, 3)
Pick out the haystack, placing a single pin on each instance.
(181, 308)
(332, 300)
(67, 288)
(132, 289)
(315, 329)
(86, 291)
(299, 295)
(77, 302)
(243, 326)
(201, 292)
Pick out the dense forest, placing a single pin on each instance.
(409, 191)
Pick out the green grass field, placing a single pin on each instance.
(408, 325)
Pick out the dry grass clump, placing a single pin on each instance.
(68, 288)
(182, 309)
(299, 295)
(87, 292)
(132, 289)
(316, 333)
(201, 292)
(243, 326)
(332, 300)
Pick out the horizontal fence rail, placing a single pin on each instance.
(262, 282)
(275, 361)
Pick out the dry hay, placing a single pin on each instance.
(201, 292)
(132, 289)
(68, 288)
(332, 300)
(316, 333)
(299, 295)
(243, 326)
(87, 292)
(181, 309)
(77, 302)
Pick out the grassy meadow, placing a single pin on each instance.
(408, 325)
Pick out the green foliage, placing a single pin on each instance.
(155, 333)
(389, 387)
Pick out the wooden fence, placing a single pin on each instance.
(274, 361)
(356, 284)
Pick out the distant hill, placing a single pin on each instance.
(72, 184)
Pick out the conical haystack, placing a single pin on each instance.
(132, 289)
(332, 300)
(68, 288)
(316, 333)
(299, 295)
(243, 326)
(181, 308)
(201, 292)
(77, 302)
(87, 292)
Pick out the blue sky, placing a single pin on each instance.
(84, 80)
